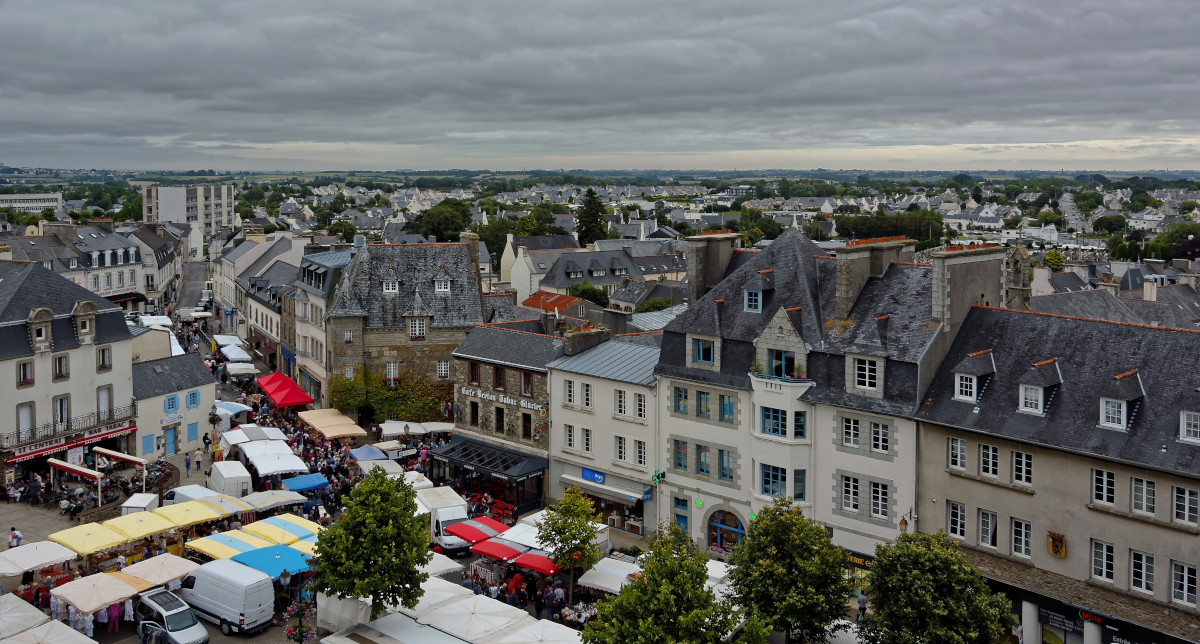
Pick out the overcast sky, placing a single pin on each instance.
(939, 84)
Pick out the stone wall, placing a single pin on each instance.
(489, 397)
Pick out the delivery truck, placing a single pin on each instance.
(444, 508)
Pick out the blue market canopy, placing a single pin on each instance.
(306, 482)
(367, 453)
(275, 560)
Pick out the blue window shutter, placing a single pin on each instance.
(147, 444)
(166, 404)
(192, 435)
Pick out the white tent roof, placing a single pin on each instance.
(393, 428)
(272, 499)
(391, 468)
(53, 632)
(231, 407)
(440, 565)
(151, 320)
(17, 615)
(34, 556)
(272, 457)
(176, 348)
(235, 354)
(477, 618)
(161, 569)
(241, 369)
(438, 591)
(227, 340)
(392, 629)
(543, 631)
(609, 575)
(93, 592)
(524, 534)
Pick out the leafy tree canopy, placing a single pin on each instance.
(1054, 260)
(587, 291)
(444, 221)
(568, 533)
(589, 220)
(376, 551)
(651, 304)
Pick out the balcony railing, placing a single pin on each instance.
(47, 431)
(792, 379)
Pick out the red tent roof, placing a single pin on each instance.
(536, 563)
(495, 550)
(283, 391)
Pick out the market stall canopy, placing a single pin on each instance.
(120, 456)
(17, 615)
(227, 544)
(162, 569)
(70, 468)
(242, 369)
(90, 594)
(524, 534)
(273, 499)
(477, 618)
(176, 348)
(311, 526)
(139, 525)
(52, 632)
(436, 592)
(438, 427)
(154, 320)
(235, 354)
(341, 431)
(226, 505)
(536, 562)
(306, 482)
(249, 432)
(542, 631)
(390, 468)
(307, 545)
(232, 407)
(497, 549)
(394, 428)
(440, 565)
(136, 583)
(227, 340)
(476, 530)
(311, 415)
(34, 556)
(188, 513)
(391, 629)
(272, 457)
(283, 391)
(367, 453)
(276, 530)
(609, 575)
(275, 560)
(88, 538)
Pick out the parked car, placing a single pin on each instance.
(160, 608)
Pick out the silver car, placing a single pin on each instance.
(160, 609)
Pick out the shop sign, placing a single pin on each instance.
(27, 452)
(502, 398)
(648, 495)
(172, 419)
(75, 456)
(1070, 624)
(593, 475)
(859, 560)
(108, 431)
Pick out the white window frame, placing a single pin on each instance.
(1183, 583)
(989, 460)
(850, 432)
(866, 373)
(964, 388)
(640, 405)
(1022, 468)
(569, 391)
(569, 436)
(1022, 538)
(1186, 506)
(956, 453)
(639, 447)
(879, 500)
(1104, 561)
(620, 403)
(1104, 486)
(416, 328)
(1113, 413)
(586, 438)
(1189, 426)
(988, 537)
(1141, 495)
(587, 395)
(850, 493)
(1141, 571)
(391, 286)
(956, 520)
(441, 286)
(619, 448)
(392, 370)
(881, 440)
(348, 336)
(1031, 399)
(443, 368)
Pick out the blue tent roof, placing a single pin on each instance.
(368, 453)
(274, 560)
(306, 482)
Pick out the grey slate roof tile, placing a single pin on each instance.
(167, 375)
(508, 346)
(613, 360)
(414, 266)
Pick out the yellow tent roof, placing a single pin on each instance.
(212, 548)
(311, 526)
(307, 547)
(226, 505)
(139, 525)
(189, 513)
(88, 538)
(228, 544)
(136, 583)
(272, 533)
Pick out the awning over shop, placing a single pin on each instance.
(472, 453)
(127, 297)
(306, 482)
(283, 391)
(609, 492)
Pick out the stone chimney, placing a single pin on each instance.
(1111, 287)
(863, 260)
(963, 277)
(103, 223)
(580, 340)
(63, 230)
(707, 258)
(1188, 279)
(5, 253)
(471, 239)
(1150, 291)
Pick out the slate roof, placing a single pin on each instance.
(588, 262)
(26, 286)
(613, 360)
(1090, 355)
(1066, 282)
(544, 242)
(414, 266)
(169, 375)
(1177, 306)
(655, 264)
(510, 347)
(499, 307)
(43, 248)
(329, 261)
(656, 320)
(644, 247)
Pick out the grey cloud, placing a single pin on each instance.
(523, 84)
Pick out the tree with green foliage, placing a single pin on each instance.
(652, 304)
(922, 590)
(568, 534)
(788, 572)
(1187, 206)
(378, 547)
(343, 228)
(589, 219)
(1109, 224)
(444, 221)
(589, 292)
(669, 602)
(813, 231)
(1054, 260)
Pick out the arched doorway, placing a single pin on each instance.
(725, 530)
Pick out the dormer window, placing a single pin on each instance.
(85, 326)
(597, 272)
(965, 388)
(1031, 399)
(441, 286)
(574, 274)
(753, 301)
(1112, 413)
(703, 351)
(866, 373)
(73, 263)
(1189, 426)
(620, 271)
(391, 286)
(39, 334)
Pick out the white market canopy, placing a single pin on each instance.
(93, 592)
(162, 569)
(235, 354)
(394, 428)
(273, 499)
(440, 565)
(52, 632)
(154, 320)
(477, 618)
(241, 368)
(390, 468)
(227, 340)
(609, 575)
(542, 631)
(176, 348)
(17, 615)
(33, 556)
(272, 457)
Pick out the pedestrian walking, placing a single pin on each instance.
(187, 464)
(207, 442)
(197, 458)
(862, 605)
(14, 537)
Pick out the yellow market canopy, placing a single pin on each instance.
(226, 505)
(135, 583)
(228, 544)
(311, 526)
(189, 513)
(307, 546)
(139, 525)
(88, 538)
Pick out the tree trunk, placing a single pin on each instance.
(570, 587)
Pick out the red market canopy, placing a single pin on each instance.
(476, 530)
(283, 391)
(495, 550)
(536, 563)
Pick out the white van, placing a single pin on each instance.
(185, 493)
(230, 478)
(140, 502)
(233, 596)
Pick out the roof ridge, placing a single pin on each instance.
(621, 335)
(1072, 317)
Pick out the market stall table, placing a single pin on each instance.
(88, 538)
(17, 615)
(34, 556)
(162, 569)
(52, 632)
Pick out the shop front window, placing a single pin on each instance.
(724, 531)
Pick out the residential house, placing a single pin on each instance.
(112, 263)
(162, 265)
(513, 250)
(314, 286)
(175, 398)
(604, 269)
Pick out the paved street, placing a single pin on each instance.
(191, 284)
